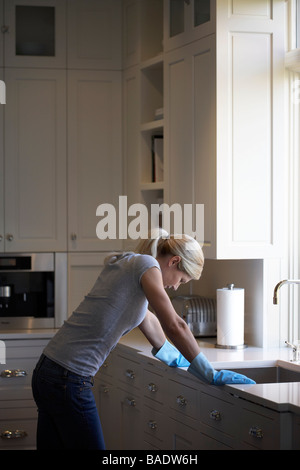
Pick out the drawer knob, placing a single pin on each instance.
(152, 387)
(104, 389)
(130, 401)
(130, 374)
(215, 415)
(256, 431)
(181, 401)
(152, 424)
(17, 434)
(13, 373)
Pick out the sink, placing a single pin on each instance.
(273, 374)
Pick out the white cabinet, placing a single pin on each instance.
(1, 35)
(18, 411)
(94, 154)
(187, 20)
(83, 270)
(1, 167)
(223, 130)
(94, 34)
(35, 33)
(35, 160)
(105, 391)
(264, 429)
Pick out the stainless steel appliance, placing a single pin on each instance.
(200, 314)
(33, 290)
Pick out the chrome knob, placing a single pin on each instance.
(130, 401)
(215, 415)
(181, 401)
(152, 424)
(7, 374)
(73, 236)
(256, 431)
(152, 387)
(130, 374)
(9, 237)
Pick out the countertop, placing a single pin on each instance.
(281, 397)
(277, 396)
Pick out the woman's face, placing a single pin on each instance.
(172, 276)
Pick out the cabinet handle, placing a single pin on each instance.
(17, 434)
(130, 374)
(104, 389)
(1, 238)
(13, 373)
(181, 401)
(215, 415)
(130, 401)
(9, 237)
(152, 387)
(152, 424)
(256, 431)
(73, 236)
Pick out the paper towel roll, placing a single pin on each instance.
(230, 317)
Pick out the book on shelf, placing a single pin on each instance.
(157, 158)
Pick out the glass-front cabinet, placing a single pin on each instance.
(185, 21)
(34, 33)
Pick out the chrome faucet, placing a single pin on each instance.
(277, 287)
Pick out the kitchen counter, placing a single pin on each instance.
(277, 396)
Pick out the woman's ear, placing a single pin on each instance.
(174, 260)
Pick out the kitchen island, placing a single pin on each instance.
(163, 407)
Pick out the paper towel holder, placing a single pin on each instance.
(239, 346)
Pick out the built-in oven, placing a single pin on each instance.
(33, 290)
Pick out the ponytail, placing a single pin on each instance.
(161, 243)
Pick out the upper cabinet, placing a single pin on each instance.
(224, 140)
(187, 20)
(34, 33)
(94, 155)
(35, 161)
(94, 34)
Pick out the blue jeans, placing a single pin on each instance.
(67, 413)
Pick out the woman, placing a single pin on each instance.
(63, 377)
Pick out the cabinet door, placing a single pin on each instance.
(1, 35)
(186, 21)
(94, 34)
(35, 34)
(190, 132)
(94, 155)
(83, 270)
(1, 170)
(35, 160)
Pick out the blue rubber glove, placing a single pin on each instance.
(202, 369)
(170, 355)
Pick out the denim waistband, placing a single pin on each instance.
(64, 372)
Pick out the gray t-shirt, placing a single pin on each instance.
(115, 305)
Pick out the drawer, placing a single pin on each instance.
(107, 367)
(219, 414)
(182, 398)
(18, 428)
(154, 425)
(15, 378)
(153, 386)
(260, 428)
(128, 372)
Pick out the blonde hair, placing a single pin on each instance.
(160, 243)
